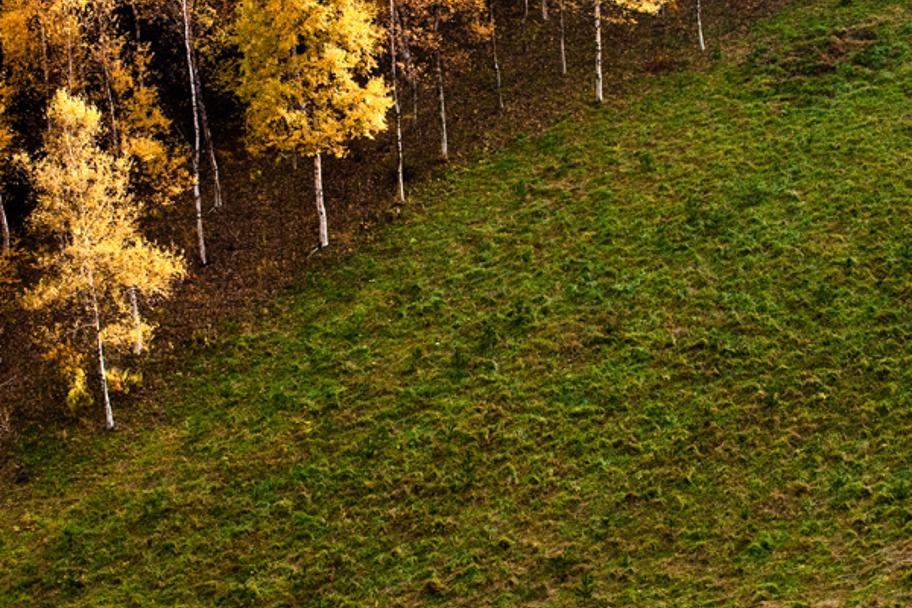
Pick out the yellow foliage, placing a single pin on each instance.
(42, 39)
(429, 26)
(78, 394)
(84, 202)
(6, 134)
(78, 45)
(648, 7)
(6, 141)
(161, 174)
(629, 10)
(305, 74)
(7, 270)
(70, 364)
(138, 126)
(122, 380)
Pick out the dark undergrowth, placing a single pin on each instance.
(658, 356)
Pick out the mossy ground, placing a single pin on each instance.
(659, 356)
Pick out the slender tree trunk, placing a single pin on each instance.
(102, 372)
(700, 25)
(395, 82)
(136, 29)
(444, 148)
(411, 74)
(544, 10)
(196, 135)
(599, 95)
(4, 228)
(71, 80)
(497, 76)
(115, 135)
(524, 24)
(321, 207)
(103, 46)
(138, 345)
(563, 37)
(198, 202)
(204, 122)
(45, 65)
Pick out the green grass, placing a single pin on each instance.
(659, 356)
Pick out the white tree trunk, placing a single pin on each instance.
(115, 134)
(138, 345)
(544, 10)
(4, 228)
(400, 177)
(411, 73)
(599, 95)
(523, 22)
(444, 147)
(136, 31)
(102, 371)
(71, 80)
(563, 37)
(700, 25)
(198, 201)
(498, 83)
(321, 207)
(196, 135)
(204, 121)
(45, 65)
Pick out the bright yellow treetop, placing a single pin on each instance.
(305, 74)
(85, 204)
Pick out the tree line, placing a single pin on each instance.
(83, 124)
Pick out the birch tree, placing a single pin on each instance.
(194, 100)
(394, 85)
(440, 32)
(85, 205)
(83, 47)
(599, 88)
(306, 80)
(523, 26)
(563, 38)
(138, 128)
(700, 25)
(408, 68)
(458, 24)
(626, 12)
(6, 138)
(181, 22)
(41, 42)
(188, 18)
(498, 84)
(441, 91)
(184, 19)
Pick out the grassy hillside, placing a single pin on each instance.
(659, 356)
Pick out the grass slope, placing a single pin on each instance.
(659, 356)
